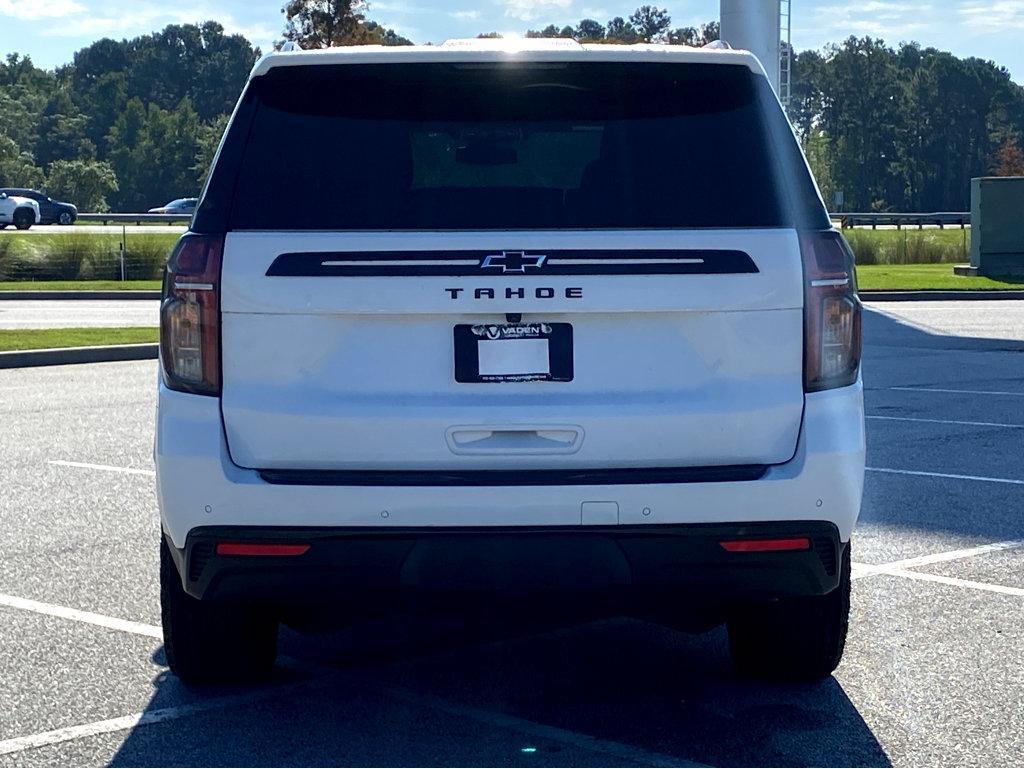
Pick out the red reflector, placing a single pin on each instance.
(766, 545)
(245, 548)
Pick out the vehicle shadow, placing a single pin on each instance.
(411, 690)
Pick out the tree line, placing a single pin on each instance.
(131, 124)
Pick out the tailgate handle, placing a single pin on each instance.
(545, 439)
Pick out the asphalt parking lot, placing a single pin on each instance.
(78, 313)
(933, 674)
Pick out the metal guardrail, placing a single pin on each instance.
(940, 219)
(135, 218)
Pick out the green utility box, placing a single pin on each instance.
(997, 225)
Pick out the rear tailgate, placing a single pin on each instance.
(337, 372)
(392, 230)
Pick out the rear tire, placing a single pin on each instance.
(24, 218)
(210, 642)
(795, 639)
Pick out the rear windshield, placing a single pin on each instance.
(509, 146)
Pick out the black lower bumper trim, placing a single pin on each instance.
(350, 564)
(602, 476)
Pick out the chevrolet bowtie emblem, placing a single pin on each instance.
(513, 261)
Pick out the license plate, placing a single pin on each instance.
(513, 352)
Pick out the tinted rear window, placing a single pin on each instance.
(509, 146)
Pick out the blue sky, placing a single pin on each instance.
(51, 30)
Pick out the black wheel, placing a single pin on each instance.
(793, 639)
(213, 642)
(3, 226)
(24, 218)
(65, 218)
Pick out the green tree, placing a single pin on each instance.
(125, 141)
(551, 31)
(86, 183)
(695, 36)
(17, 169)
(1009, 160)
(325, 23)
(382, 36)
(651, 23)
(589, 31)
(621, 31)
(863, 111)
(208, 141)
(154, 154)
(104, 97)
(816, 148)
(62, 129)
(19, 121)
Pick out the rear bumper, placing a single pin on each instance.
(379, 565)
(198, 486)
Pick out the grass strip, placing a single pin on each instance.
(48, 338)
(927, 277)
(80, 285)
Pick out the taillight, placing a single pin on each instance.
(765, 545)
(190, 315)
(253, 548)
(832, 312)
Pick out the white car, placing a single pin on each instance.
(21, 212)
(552, 320)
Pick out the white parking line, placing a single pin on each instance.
(942, 421)
(955, 581)
(954, 476)
(958, 392)
(491, 718)
(955, 555)
(65, 612)
(42, 739)
(107, 468)
(867, 569)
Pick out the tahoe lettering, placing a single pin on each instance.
(542, 292)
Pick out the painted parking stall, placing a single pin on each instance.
(932, 672)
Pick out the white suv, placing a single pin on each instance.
(562, 319)
(19, 211)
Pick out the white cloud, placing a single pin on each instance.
(529, 10)
(598, 14)
(888, 19)
(998, 16)
(412, 33)
(399, 8)
(466, 15)
(29, 10)
(136, 17)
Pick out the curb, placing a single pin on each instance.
(79, 295)
(938, 296)
(59, 356)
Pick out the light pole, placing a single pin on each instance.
(755, 26)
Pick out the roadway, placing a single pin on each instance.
(98, 229)
(80, 313)
(933, 673)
